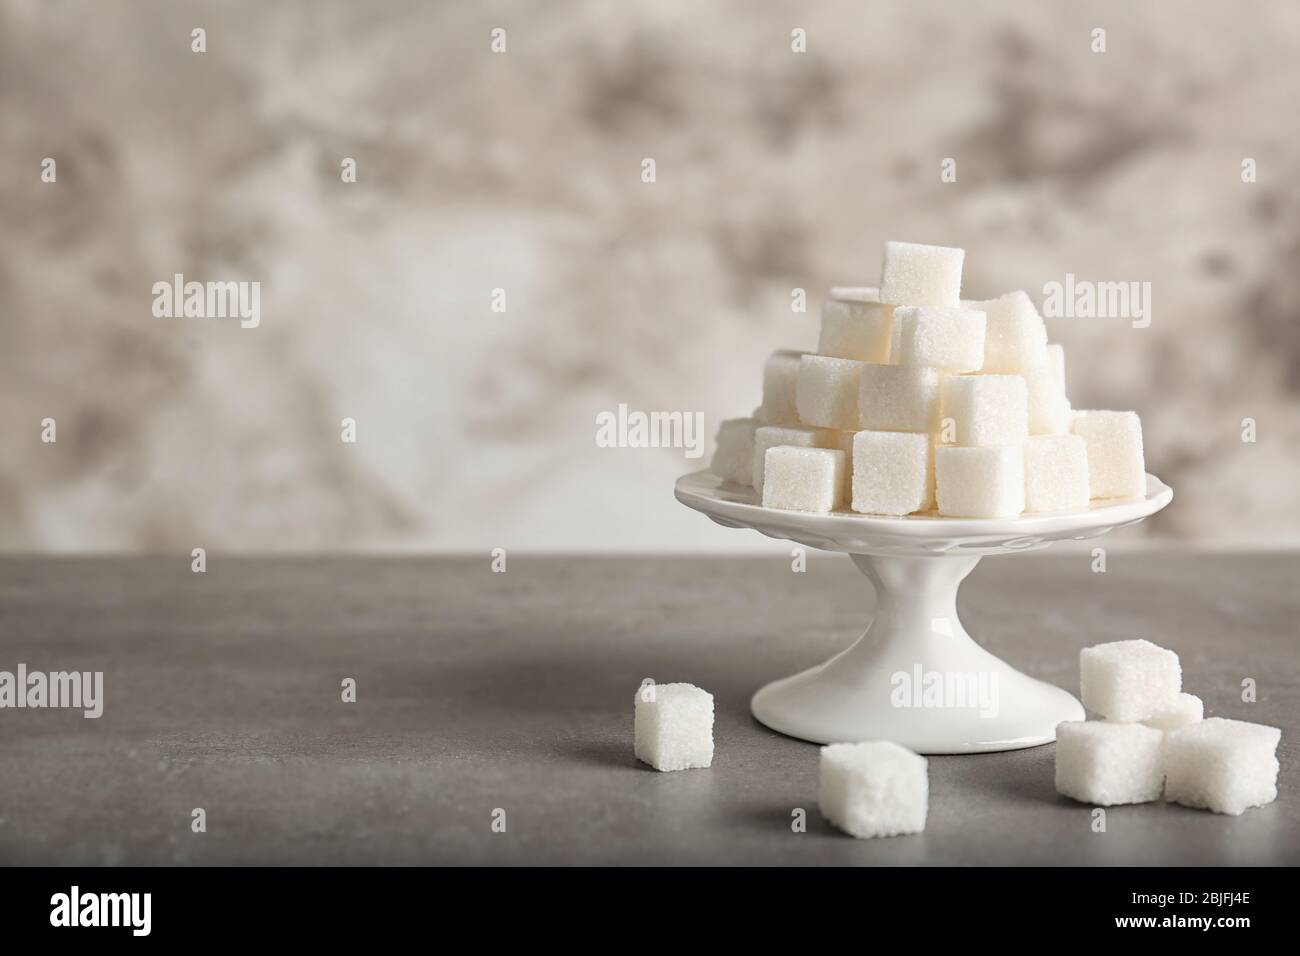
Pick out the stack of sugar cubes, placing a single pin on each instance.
(918, 401)
(1152, 740)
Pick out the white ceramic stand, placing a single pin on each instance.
(915, 677)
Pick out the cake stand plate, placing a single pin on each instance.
(915, 677)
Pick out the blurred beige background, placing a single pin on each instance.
(522, 170)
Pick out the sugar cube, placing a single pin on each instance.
(780, 373)
(1056, 361)
(1116, 468)
(673, 726)
(986, 410)
(827, 392)
(733, 459)
(1187, 709)
(1129, 680)
(897, 399)
(804, 479)
(769, 436)
(893, 472)
(1049, 409)
(1056, 473)
(856, 329)
(873, 789)
(1015, 337)
(979, 482)
(914, 274)
(1106, 763)
(1222, 765)
(939, 337)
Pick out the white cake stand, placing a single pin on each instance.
(916, 565)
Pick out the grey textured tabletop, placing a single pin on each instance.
(478, 691)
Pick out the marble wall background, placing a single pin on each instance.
(522, 171)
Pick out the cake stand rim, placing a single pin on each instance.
(698, 491)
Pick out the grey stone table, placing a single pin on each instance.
(478, 691)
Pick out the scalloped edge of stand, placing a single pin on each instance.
(733, 506)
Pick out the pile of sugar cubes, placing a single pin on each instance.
(871, 789)
(918, 401)
(1152, 740)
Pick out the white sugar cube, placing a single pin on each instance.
(979, 482)
(939, 337)
(1105, 764)
(874, 789)
(1049, 409)
(769, 436)
(1222, 765)
(827, 392)
(856, 329)
(893, 473)
(1129, 680)
(897, 399)
(1056, 473)
(1056, 361)
(985, 410)
(1187, 709)
(1116, 468)
(780, 374)
(913, 274)
(733, 458)
(1015, 337)
(804, 479)
(673, 726)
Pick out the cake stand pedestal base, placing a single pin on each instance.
(916, 677)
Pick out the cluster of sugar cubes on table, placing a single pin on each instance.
(1152, 739)
(918, 401)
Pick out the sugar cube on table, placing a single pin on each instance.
(1056, 361)
(769, 436)
(1116, 468)
(804, 479)
(979, 482)
(1015, 337)
(827, 392)
(856, 329)
(1222, 765)
(1129, 680)
(933, 337)
(893, 472)
(673, 726)
(780, 373)
(985, 410)
(873, 789)
(914, 274)
(1187, 709)
(897, 399)
(1105, 763)
(733, 458)
(1049, 409)
(1056, 473)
